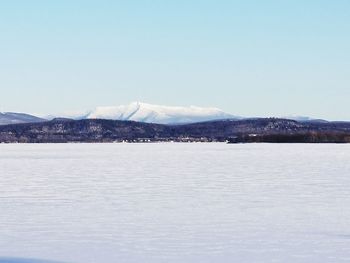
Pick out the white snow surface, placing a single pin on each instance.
(144, 112)
(169, 202)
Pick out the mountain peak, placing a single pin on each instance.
(15, 118)
(145, 112)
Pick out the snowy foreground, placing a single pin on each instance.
(88, 203)
(24, 260)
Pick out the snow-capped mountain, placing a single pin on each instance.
(14, 118)
(303, 119)
(144, 112)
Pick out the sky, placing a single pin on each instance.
(249, 58)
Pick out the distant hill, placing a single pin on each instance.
(98, 130)
(304, 119)
(14, 118)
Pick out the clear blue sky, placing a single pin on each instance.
(250, 58)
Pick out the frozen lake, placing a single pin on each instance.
(96, 203)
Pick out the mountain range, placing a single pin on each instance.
(140, 112)
(234, 131)
(149, 113)
(140, 122)
(135, 111)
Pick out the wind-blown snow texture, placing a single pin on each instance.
(88, 203)
(25, 260)
(144, 112)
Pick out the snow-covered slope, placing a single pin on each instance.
(303, 119)
(14, 118)
(144, 112)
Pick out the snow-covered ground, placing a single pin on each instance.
(25, 260)
(175, 202)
